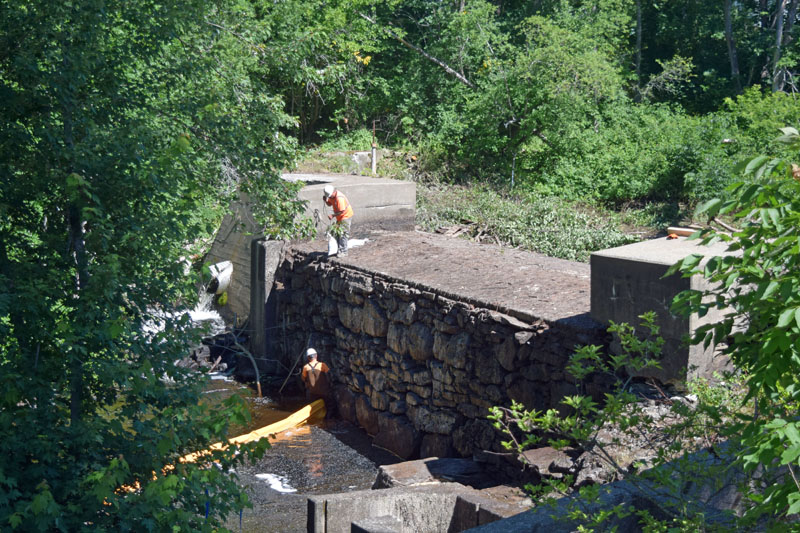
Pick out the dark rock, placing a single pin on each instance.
(420, 342)
(406, 313)
(441, 422)
(506, 352)
(367, 416)
(397, 435)
(549, 462)
(345, 403)
(452, 349)
(434, 445)
(374, 319)
(351, 317)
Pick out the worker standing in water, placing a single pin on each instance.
(315, 378)
(343, 212)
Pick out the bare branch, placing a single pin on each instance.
(423, 53)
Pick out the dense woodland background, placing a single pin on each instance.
(127, 127)
(609, 100)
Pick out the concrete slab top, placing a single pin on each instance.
(533, 284)
(662, 251)
(318, 181)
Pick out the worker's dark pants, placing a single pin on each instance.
(345, 235)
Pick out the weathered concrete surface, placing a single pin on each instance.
(433, 508)
(430, 470)
(628, 281)
(264, 260)
(379, 203)
(522, 284)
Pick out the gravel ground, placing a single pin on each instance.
(337, 457)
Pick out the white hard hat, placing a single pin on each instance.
(327, 191)
(311, 352)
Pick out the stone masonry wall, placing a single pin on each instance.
(416, 368)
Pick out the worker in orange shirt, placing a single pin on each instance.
(343, 212)
(315, 378)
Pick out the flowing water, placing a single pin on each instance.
(333, 456)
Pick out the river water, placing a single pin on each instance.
(334, 456)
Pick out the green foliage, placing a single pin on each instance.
(755, 286)
(742, 130)
(602, 428)
(127, 128)
(357, 140)
(544, 224)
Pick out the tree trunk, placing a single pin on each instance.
(74, 225)
(778, 76)
(737, 83)
(639, 42)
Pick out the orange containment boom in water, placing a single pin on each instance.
(313, 412)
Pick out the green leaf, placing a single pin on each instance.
(754, 164)
(711, 207)
(787, 316)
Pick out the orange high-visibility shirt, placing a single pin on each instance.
(341, 206)
(315, 376)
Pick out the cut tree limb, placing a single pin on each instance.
(423, 53)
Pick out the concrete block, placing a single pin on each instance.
(379, 203)
(378, 524)
(265, 256)
(628, 281)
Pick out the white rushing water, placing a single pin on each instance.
(276, 482)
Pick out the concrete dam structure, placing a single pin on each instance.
(424, 333)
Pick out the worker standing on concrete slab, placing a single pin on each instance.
(315, 378)
(343, 212)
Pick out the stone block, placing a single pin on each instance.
(397, 407)
(421, 377)
(413, 399)
(420, 342)
(358, 282)
(505, 353)
(422, 392)
(446, 327)
(367, 416)
(396, 338)
(404, 292)
(345, 403)
(488, 370)
(376, 378)
(377, 524)
(434, 445)
(452, 349)
(406, 313)
(397, 435)
(351, 317)
(536, 372)
(440, 422)
(374, 319)
(530, 395)
(379, 400)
